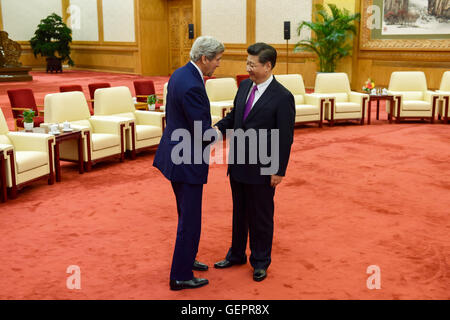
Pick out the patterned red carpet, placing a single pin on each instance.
(354, 196)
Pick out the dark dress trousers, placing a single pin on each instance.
(187, 102)
(253, 204)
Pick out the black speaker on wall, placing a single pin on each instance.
(191, 31)
(287, 30)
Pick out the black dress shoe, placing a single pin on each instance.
(188, 284)
(198, 266)
(226, 264)
(259, 274)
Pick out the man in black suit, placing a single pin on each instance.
(261, 103)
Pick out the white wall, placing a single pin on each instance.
(226, 20)
(118, 20)
(21, 17)
(270, 17)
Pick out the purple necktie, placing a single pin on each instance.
(249, 104)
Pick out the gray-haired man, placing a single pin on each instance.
(187, 102)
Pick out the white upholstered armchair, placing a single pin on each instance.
(444, 94)
(103, 138)
(344, 104)
(144, 128)
(31, 157)
(221, 93)
(308, 107)
(412, 99)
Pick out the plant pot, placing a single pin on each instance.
(54, 64)
(151, 107)
(28, 126)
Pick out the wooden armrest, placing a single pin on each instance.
(140, 106)
(20, 109)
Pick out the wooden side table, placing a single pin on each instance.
(378, 98)
(64, 136)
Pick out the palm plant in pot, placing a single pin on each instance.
(52, 40)
(332, 35)
(28, 119)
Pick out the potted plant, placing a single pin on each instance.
(51, 40)
(332, 35)
(28, 119)
(151, 101)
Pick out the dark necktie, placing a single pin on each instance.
(249, 104)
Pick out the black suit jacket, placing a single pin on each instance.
(275, 109)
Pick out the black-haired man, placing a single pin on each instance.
(260, 103)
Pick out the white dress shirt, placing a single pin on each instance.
(261, 88)
(200, 71)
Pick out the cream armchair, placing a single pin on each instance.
(4, 150)
(221, 93)
(344, 104)
(103, 138)
(163, 107)
(144, 128)
(411, 96)
(308, 107)
(444, 94)
(30, 158)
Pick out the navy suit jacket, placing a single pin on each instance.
(275, 109)
(186, 102)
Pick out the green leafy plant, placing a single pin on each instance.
(332, 35)
(52, 39)
(28, 116)
(151, 99)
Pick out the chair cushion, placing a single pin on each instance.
(299, 99)
(102, 141)
(340, 97)
(225, 103)
(408, 81)
(4, 139)
(306, 109)
(413, 95)
(221, 89)
(82, 123)
(416, 105)
(128, 115)
(348, 107)
(144, 132)
(28, 160)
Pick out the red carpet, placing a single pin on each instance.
(354, 196)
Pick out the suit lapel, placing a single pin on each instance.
(266, 97)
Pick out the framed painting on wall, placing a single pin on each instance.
(405, 25)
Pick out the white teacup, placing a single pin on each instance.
(385, 91)
(66, 125)
(374, 91)
(54, 128)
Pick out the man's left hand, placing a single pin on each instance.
(275, 180)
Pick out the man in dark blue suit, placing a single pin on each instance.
(188, 111)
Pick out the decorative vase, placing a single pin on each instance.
(28, 126)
